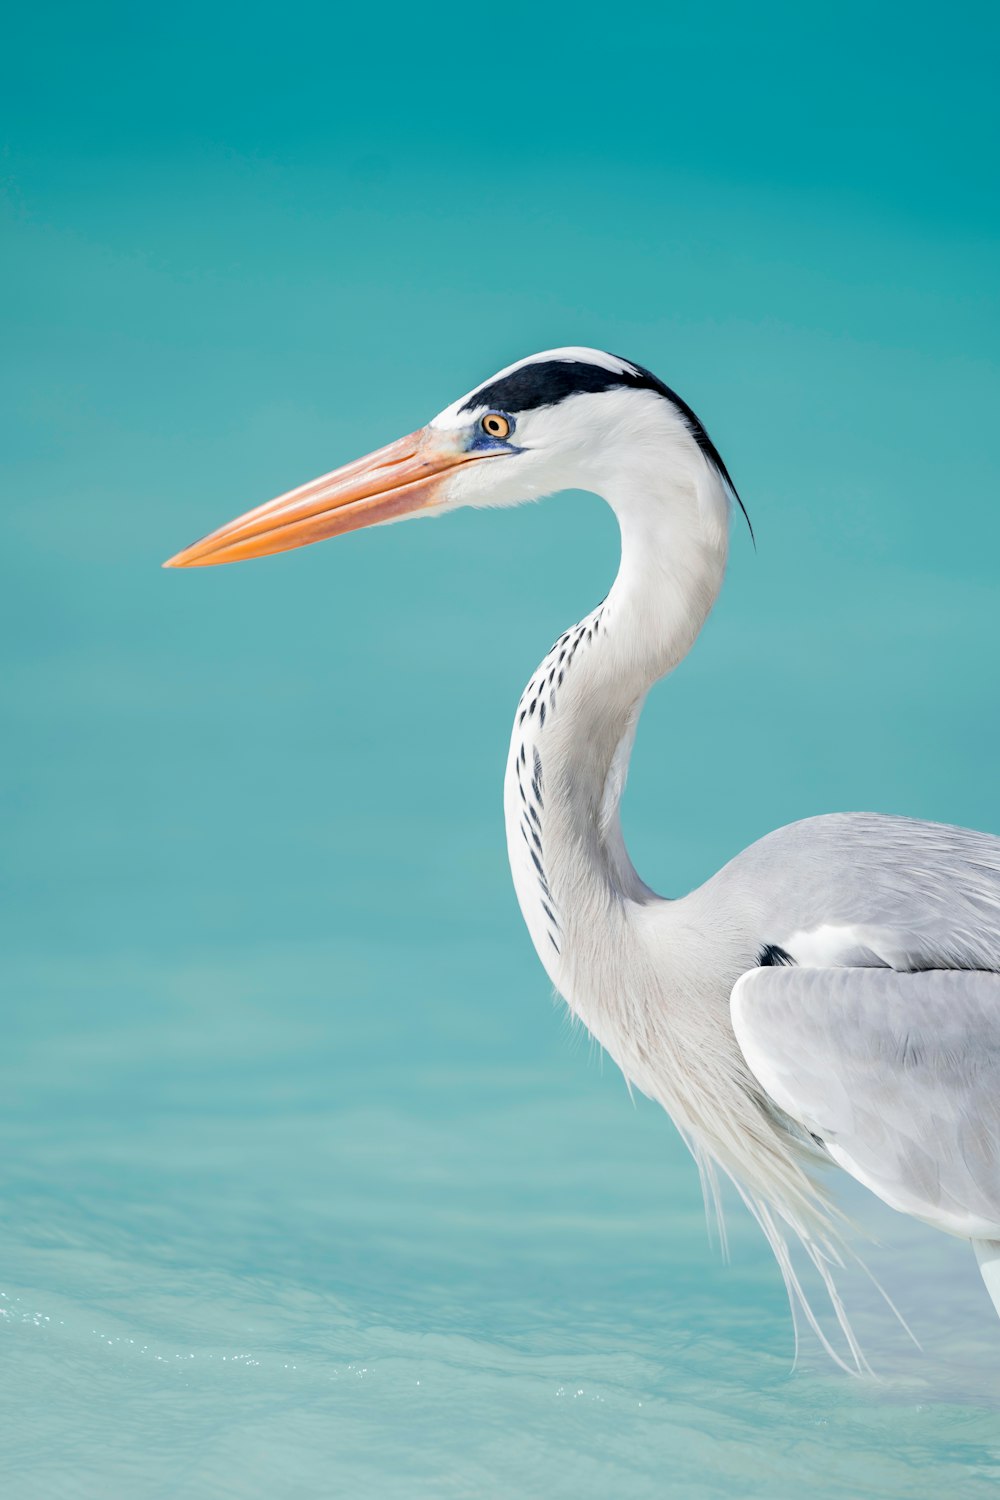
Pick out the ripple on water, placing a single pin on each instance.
(224, 1276)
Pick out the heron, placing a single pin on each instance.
(832, 994)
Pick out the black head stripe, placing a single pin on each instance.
(545, 383)
(549, 381)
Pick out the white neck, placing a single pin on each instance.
(576, 722)
(649, 978)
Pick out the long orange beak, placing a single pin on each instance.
(393, 482)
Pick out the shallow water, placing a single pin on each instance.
(256, 1245)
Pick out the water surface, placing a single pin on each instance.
(308, 1186)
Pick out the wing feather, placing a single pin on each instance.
(897, 1073)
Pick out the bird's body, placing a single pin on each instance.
(834, 991)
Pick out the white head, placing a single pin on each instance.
(569, 418)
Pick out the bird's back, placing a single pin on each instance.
(864, 889)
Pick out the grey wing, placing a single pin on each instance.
(862, 889)
(898, 1074)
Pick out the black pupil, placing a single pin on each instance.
(493, 424)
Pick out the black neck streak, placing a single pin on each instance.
(538, 705)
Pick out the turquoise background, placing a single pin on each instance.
(309, 1188)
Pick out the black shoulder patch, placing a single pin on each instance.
(549, 381)
(773, 957)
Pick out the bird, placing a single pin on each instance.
(832, 994)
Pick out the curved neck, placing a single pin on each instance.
(576, 721)
(672, 562)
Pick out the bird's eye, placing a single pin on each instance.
(494, 425)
